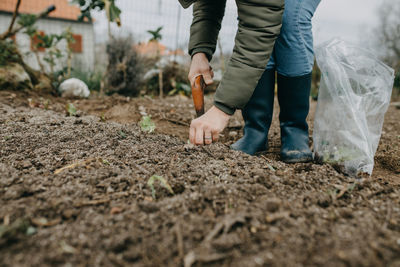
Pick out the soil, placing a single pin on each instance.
(76, 191)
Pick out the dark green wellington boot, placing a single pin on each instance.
(257, 115)
(294, 102)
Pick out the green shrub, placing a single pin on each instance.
(8, 52)
(91, 78)
(174, 81)
(124, 70)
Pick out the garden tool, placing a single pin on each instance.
(198, 95)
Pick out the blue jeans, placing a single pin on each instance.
(293, 53)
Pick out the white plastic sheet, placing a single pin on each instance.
(354, 95)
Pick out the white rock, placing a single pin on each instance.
(74, 88)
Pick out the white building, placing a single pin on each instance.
(65, 16)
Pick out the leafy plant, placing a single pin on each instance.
(102, 117)
(156, 35)
(163, 183)
(340, 155)
(27, 21)
(70, 109)
(124, 70)
(122, 134)
(147, 125)
(112, 11)
(174, 81)
(49, 42)
(92, 79)
(20, 226)
(8, 52)
(182, 89)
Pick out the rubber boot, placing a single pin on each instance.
(257, 115)
(294, 102)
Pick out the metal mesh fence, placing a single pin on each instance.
(140, 16)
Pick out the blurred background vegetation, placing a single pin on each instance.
(153, 62)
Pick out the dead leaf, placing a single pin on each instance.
(147, 198)
(116, 210)
(74, 165)
(82, 163)
(67, 248)
(44, 222)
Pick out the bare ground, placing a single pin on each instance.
(74, 192)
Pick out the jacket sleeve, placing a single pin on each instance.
(207, 17)
(260, 22)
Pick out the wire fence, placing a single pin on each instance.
(140, 16)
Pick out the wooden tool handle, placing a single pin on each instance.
(198, 95)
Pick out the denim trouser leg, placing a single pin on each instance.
(293, 53)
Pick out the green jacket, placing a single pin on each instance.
(259, 24)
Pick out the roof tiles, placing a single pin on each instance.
(64, 10)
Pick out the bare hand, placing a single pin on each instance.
(206, 129)
(200, 66)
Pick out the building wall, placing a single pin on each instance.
(84, 60)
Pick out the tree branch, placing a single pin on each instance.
(15, 14)
(43, 14)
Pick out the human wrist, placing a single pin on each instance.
(199, 56)
(221, 112)
(206, 51)
(224, 108)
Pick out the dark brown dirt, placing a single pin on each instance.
(74, 192)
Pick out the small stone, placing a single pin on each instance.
(69, 213)
(74, 88)
(110, 190)
(259, 260)
(233, 134)
(31, 230)
(26, 164)
(188, 146)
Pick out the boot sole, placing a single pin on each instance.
(303, 160)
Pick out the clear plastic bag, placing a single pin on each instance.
(353, 98)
